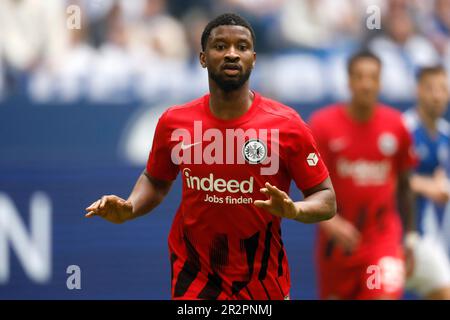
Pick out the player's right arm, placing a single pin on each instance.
(147, 193)
(151, 187)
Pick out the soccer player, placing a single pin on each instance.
(237, 152)
(367, 149)
(431, 134)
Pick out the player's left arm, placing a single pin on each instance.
(406, 206)
(406, 199)
(319, 203)
(406, 161)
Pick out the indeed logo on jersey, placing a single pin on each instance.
(364, 172)
(218, 185)
(211, 184)
(231, 146)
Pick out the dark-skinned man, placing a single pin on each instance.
(237, 152)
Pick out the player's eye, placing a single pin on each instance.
(243, 47)
(219, 46)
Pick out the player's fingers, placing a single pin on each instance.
(280, 192)
(110, 201)
(284, 194)
(90, 214)
(352, 236)
(347, 242)
(270, 187)
(353, 240)
(274, 191)
(103, 202)
(263, 204)
(100, 212)
(93, 206)
(356, 235)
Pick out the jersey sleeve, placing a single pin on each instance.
(159, 163)
(320, 136)
(406, 156)
(304, 161)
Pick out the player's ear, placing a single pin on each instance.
(202, 58)
(254, 59)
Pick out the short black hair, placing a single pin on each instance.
(363, 54)
(226, 19)
(425, 71)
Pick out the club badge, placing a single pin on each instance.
(254, 151)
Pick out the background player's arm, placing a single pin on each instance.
(433, 187)
(343, 232)
(406, 208)
(406, 201)
(147, 193)
(319, 203)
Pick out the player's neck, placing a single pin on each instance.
(429, 122)
(360, 113)
(228, 105)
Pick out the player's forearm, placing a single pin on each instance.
(406, 202)
(147, 194)
(421, 184)
(316, 207)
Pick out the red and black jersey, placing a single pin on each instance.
(365, 160)
(221, 245)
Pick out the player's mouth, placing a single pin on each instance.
(231, 69)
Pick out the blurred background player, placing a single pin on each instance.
(431, 134)
(367, 150)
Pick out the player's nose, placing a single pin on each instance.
(232, 54)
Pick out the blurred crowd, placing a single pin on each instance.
(148, 49)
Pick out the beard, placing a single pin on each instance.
(228, 84)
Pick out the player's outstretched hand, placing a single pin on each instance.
(111, 208)
(279, 203)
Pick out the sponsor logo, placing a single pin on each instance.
(312, 159)
(187, 146)
(211, 184)
(364, 172)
